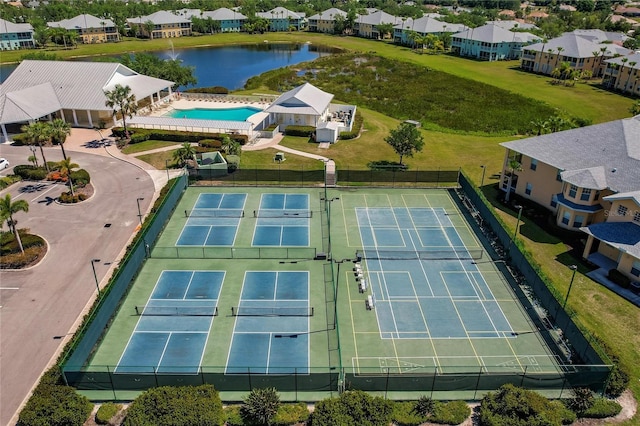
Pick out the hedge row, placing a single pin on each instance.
(216, 90)
(449, 413)
(304, 131)
(141, 135)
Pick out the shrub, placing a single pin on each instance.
(450, 413)
(210, 143)
(355, 408)
(289, 414)
(106, 412)
(177, 406)
(515, 406)
(6, 181)
(387, 166)
(19, 260)
(619, 278)
(404, 414)
(582, 400)
(261, 406)
(80, 177)
(20, 139)
(304, 131)
(29, 172)
(140, 135)
(67, 198)
(53, 405)
(56, 177)
(424, 406)
(602, 408)
(618, 381)
(233, 416)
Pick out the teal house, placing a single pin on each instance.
(230, 20)
(15, 36)
(491, 43)
(282, 19)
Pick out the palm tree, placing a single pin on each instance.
(184, 153)
(149, 26)
(66, 167)
(230, 146)
(58, 131)
(7, 210)
(37, 132)
(122, 100)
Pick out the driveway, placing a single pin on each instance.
(41, 306)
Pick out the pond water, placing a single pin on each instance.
(231, 66)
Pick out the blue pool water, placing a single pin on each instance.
(224, 114)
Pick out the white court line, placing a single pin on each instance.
(9, 288)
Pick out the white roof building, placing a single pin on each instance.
(75, 90)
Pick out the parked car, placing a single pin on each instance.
(3, 163)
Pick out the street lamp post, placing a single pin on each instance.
(95, 276)
(139, 212)
(515, 232)
(574, 268)
(484, 169)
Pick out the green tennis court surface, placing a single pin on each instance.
(238, 288)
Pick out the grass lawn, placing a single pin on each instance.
(146, 146)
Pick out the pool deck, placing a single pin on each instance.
(162, 108)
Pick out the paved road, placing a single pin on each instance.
(40, 306)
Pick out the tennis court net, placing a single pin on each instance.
(214, 213)
(170, 311)
(284, 311)
(441, 254)
(283, 213)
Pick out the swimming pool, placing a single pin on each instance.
(223, 114)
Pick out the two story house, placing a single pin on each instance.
(623, 73)
(491, 43)
(282, 19)
(589, 178)
(161, 24)
(15, 36)
(89, 28)
(325, 22)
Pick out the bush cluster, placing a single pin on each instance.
(355, 129)
(602, 408)
(618, 380)
(141, 135)
(106, 412)
(450, 413)
(210, 143)
(185, 405)
(67, 198)
(304, 131)
(353, 408)
(29, 172)
(6, 181)
(55, 405)
(80, 177)
(20, 139)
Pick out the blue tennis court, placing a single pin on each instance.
(423, 279)
(271, 333)
(174, 325)
(283, 221)
(213, 221)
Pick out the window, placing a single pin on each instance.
(636, 216)
(566, 217)
(578, 221)
(635, 268)
(554, 200)
(534, 164)
(528, 189)
(573, 190)
(622, 210)
(586, 194)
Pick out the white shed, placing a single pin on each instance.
(328, 131)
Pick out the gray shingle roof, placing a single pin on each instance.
(224, 14)
(593, 177)
(377, 18)
(10, 27)
(598, 36)
(280, 13)
(634, 57)
(633, 195)
(77, 85)
(509, 25)
(306, 99)
(82, 21)
(615, 146)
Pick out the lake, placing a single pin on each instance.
(232, 66)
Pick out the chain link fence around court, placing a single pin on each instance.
(285, 175)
